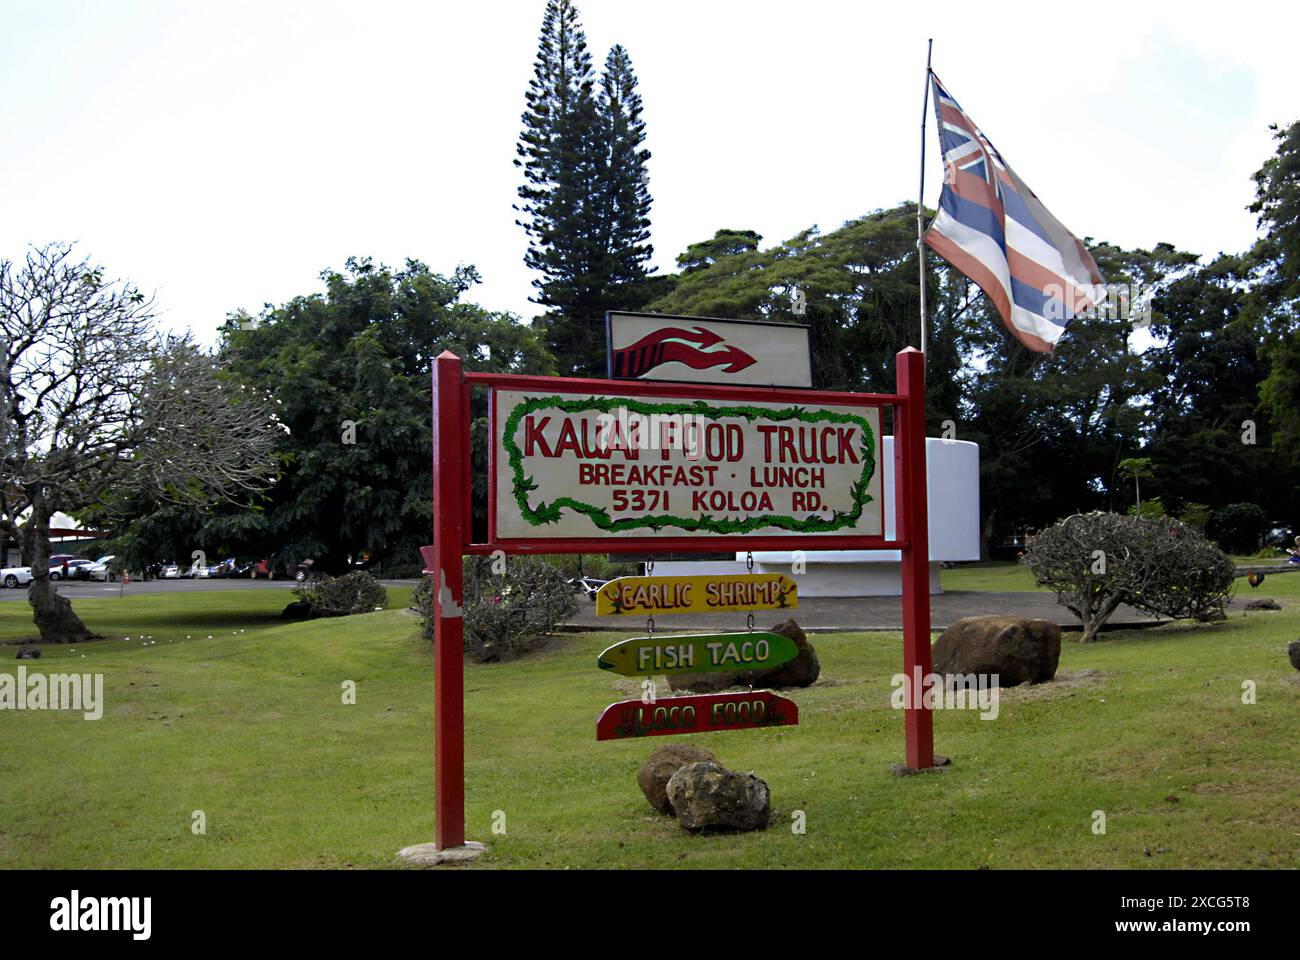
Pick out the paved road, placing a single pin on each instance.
(878, 613)
(80, 588)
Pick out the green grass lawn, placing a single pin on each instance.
(989, 575)
(250, 728)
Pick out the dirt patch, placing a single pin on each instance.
(1066, 683)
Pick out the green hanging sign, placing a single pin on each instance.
(697, 653)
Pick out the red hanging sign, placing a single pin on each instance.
(701, 714)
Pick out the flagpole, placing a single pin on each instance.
(920, 200)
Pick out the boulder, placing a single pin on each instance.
(298, 610)
(708, 796)
(28, 654)
(655, 773)
(1293, 652)
(1017, 650)
(1265, 604)
(802, 671)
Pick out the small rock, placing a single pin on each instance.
(655, 773)
(802, 671)
(298, 610)
(1264, 604)
(30, 654)
(1015, 649)
(706, 795)
(1293, 652)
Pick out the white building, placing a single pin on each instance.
(953, 495)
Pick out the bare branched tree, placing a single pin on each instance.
(1096, 561)
(94, 400)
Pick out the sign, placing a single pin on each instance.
(702, 714)
(574, 465)
(697, 653)
(703, 350)
(704, 594)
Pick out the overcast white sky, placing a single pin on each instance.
(224, 153)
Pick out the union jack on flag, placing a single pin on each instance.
(992, 228)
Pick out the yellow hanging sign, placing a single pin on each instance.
(651, 596)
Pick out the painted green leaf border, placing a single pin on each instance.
(546, 513)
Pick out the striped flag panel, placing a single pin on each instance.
(993, 228)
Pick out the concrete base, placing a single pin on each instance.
(428, 854)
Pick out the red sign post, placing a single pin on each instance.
(912, 528)
(451, 509)
(450, 455)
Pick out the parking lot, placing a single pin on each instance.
(79, 588)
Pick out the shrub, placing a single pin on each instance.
(422, 603)
(356, 592)
(1155, 507)
(506, 612)
(1195, 515)
(1238, 527)
(1097, 561)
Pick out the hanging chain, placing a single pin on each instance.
(650, 621)
(749, 568)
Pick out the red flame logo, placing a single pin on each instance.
(699, 349)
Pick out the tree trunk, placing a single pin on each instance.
(25, 544)
(986, 535)
(52, 612)
(1097, 620)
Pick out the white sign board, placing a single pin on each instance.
(582, 466)
(702, 350)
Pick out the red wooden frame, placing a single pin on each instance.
(666, 544)
(452, 521)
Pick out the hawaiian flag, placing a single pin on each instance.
(993, 228)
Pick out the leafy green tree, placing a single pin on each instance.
(557, 153)
(1136, 469)
(350, 370)
(858, 293)
(1238, 527)
(725, 243)
(1279, 395)
(624, 194)
(1208, 365)
(1277, 204)
(96, 404)
(1275, 298)
(585, 200)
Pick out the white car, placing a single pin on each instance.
(56, 571)
(99, 569)
(16, 576)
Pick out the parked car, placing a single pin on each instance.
(56, 569)
(99, 570)
(172, 571)
(13, 577)
(257, 568)
(587, 586)
(226, 568)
